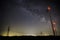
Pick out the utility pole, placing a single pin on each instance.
(49, 8)
(8, 30)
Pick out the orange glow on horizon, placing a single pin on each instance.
(12, 34)
(18, 34)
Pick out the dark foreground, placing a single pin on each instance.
(30, 37)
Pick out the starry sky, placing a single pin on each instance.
(23, 15)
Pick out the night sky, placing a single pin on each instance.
(26, 15)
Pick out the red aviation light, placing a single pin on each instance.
(49, 8)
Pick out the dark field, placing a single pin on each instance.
(29, 37)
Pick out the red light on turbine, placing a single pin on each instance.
(54, 23)
(49, 8)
